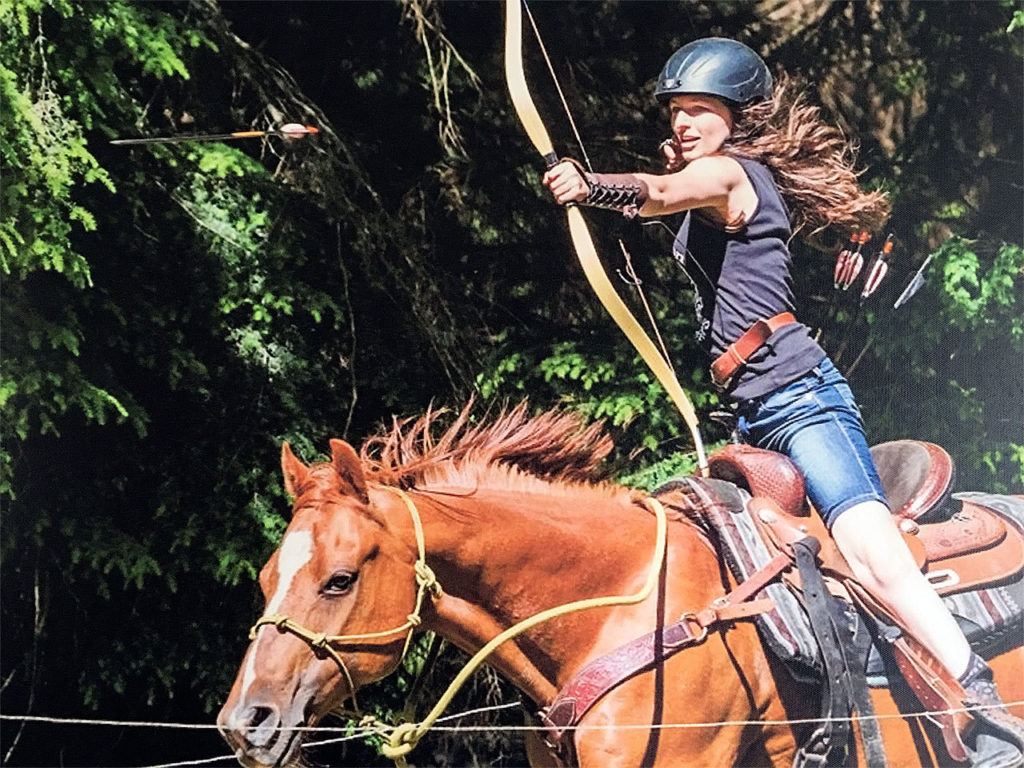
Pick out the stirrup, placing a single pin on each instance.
(997, 737)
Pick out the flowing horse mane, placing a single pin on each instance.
(513, 451)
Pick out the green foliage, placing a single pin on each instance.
(619, 391)
(171, 314)
(660, 472)
(108, 325)
(985, 301)
(958, 363)
(48, 171)
(1016, 21)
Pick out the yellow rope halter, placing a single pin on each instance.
(402, 738)
(323, 644)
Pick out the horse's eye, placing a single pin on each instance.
(339, 583)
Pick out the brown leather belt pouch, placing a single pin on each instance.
(736, 354)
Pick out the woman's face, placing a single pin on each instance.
(701, 124)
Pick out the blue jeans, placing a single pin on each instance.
(816, 422)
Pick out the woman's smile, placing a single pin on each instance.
(701, 124)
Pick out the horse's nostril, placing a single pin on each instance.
(259, 725)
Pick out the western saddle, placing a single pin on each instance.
(958, 546)
(918, 479)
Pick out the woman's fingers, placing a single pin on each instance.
(570, 190)
(672, 153)
(566, 183)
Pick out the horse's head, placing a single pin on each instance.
(338, 571)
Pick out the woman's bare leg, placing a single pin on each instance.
(867, 536)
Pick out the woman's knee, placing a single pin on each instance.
(873, 546)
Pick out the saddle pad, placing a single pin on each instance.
(991, 617)
(723, 514)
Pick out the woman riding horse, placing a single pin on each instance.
(745, 158)
(509, 523)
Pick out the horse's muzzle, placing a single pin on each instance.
(255, 733)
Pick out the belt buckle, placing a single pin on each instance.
(552, 735)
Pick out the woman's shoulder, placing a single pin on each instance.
(761, 177)
(734, 169)
(723, 166)
(755, 168)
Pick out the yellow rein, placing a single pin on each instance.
(404, 737)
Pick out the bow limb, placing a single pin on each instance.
(515, 75)
(615, 307)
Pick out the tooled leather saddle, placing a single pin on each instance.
(958, 549)
(959, 546)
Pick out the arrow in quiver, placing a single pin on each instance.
(877, 272)
(842, 259)
(879, 268)
(855, 262)
(914, 285)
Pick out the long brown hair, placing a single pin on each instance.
(812, 162)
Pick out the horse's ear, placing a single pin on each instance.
(349, 468)
(294, 471)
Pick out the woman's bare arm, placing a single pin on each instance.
(708, 182)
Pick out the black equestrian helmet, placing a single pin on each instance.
(717, 66)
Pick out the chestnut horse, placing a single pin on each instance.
(513, 523)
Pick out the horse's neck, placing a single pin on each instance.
(518, 552)
(502, 557)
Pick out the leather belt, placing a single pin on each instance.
(736, 354)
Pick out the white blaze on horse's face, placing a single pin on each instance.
(296, 551)
(256, 718)
(339, 571)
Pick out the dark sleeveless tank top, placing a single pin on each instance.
(740, 277)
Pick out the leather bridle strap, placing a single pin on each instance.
(580, 234)
(607, 672)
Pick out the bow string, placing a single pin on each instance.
(583, 243)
